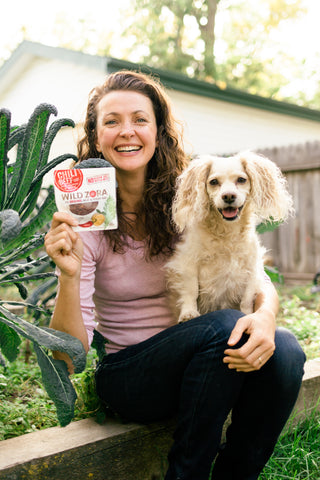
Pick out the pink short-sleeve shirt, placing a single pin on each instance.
(123, 296)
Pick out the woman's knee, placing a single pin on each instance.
(219, 323)
(288, 347)
(289, 356)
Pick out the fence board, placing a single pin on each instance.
(295, 245)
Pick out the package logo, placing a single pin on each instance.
(68, 180)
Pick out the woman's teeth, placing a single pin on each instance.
(129, 148)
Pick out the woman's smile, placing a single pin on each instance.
(128, 148)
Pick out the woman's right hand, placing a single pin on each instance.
(63, 245)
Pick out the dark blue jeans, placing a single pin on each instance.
(180, 372)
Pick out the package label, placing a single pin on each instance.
(89, 195)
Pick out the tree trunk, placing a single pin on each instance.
(208, 36)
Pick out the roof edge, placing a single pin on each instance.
(186, 84)
(172, 80)
(40, 50)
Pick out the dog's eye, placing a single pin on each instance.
(214, 181)
(241, 180)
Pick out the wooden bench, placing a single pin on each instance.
(112, 451)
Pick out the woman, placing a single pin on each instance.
(198, 370)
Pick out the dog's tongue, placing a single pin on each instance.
(230, 212)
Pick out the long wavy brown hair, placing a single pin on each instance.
(167, 163)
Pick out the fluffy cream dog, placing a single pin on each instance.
(218, 263)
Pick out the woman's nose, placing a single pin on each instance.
(127, 130)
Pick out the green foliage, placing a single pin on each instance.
(163, 27)
(9, 342)
(88, 403)
(22, 179)
(248, 61)
(267, 226)
(232, 44)
(25, 406)
(25, 209)
(274, 275)
(98, 343)
(300, 313)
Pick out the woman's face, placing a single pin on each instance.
(126, 130)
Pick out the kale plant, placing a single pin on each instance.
(25, 210)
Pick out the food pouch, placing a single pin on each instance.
(89, 195)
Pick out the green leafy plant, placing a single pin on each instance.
(25, 209)
(300, 313)
(25, 406)
(274, 274)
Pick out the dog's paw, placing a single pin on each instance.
(246, 308)
(185, 316)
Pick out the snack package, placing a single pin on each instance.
(89, 194)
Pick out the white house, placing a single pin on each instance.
(215, 120)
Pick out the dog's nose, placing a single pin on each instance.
(229, 197)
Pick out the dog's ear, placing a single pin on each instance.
(269, 191)
(191, 200)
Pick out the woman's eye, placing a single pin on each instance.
(141, 120)
(110, 122)
(242, 180)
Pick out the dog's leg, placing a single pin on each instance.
(188, 296)
(249, 295)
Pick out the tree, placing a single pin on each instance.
(177, 35)
(182, 36)
(233, 43)
(252, 58)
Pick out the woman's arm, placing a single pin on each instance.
(65, 248)
(67, 316)
(260, 326)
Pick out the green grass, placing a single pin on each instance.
(297, 453)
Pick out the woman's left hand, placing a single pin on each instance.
(260, 327)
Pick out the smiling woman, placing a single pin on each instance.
(155, 368)
(130, 123)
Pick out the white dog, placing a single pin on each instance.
(218, 263)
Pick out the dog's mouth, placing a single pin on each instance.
(230, 213)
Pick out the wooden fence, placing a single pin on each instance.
(295, 246)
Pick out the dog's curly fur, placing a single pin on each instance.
(218, 262)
